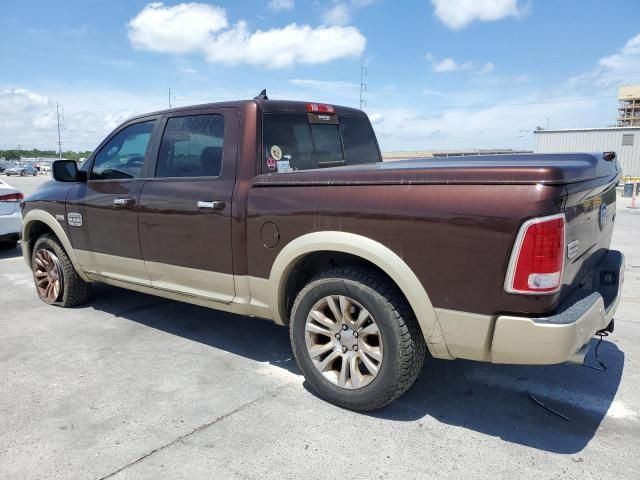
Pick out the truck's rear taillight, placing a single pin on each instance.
(12, 197)
(537, 259)
(320, 108)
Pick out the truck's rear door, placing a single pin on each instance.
(185, 208)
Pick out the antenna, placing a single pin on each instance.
(60, 115)
(363, 86)
(170, 106)
(262, 95)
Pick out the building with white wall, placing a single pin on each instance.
(625, 141)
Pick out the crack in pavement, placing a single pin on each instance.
(202, 427)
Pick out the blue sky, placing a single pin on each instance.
(441, 74)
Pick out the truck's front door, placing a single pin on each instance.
(102, 214)
(185, 207)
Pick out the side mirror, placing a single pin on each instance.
(67, 171)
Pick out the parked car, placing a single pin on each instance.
(284, 210)
(22, 170)
(10, 215)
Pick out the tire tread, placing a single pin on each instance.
(412, 347)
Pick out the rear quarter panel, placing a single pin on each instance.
(456, 238)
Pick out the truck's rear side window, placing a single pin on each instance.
(292, 142)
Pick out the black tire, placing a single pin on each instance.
(402, 340)
(74, 291)
(22, 173)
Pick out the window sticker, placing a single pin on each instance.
(271, 163)
(276, 152)
(284, 166)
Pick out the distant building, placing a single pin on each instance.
(413, 154)
(629, 106)
(625, 141)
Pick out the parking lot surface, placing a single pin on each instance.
(134, 386)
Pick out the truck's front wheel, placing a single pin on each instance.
(57, 281)
(355, 339)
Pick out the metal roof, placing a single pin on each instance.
(595, 129)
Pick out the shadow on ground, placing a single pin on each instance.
(491, 399)
(10, 252)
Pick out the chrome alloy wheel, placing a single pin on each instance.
(343, 341)
(48, 275)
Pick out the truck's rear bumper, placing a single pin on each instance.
(563, 336)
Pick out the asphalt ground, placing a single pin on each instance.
(133, 386)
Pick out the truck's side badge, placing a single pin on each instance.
(74, 219)
(572, 249)
(60, 218)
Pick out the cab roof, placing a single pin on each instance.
(263, 105)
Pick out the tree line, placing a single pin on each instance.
(16, 154)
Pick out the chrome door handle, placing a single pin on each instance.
(215, 205)
(123, 202)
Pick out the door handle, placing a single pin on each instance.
(215, 205)
(123, 202)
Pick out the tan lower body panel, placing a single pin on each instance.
(467, 335)
(520, 340)
(237, 294)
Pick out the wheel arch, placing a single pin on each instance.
(39, 222)
(370, 252)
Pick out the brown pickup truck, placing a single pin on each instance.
(284, 210)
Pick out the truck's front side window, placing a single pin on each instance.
(291, 141)
(123, 156)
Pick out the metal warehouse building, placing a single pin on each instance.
(625, 141)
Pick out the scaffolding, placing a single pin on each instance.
(629, 106)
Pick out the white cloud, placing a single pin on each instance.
(283, 47)
(457, 14)
(486, 68)
(182, 28)
(281, 4)
(339, 14)
(200, 28)
(450, 65)
(19, 100)
(376, 118)
(623, 61)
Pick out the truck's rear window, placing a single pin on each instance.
(292, 142)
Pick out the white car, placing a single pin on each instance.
(10, 215)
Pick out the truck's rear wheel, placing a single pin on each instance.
(57, 281)
(355, 339)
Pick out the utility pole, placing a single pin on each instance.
(170, 106)
(59, 115)
(363, 86)
(19, 151)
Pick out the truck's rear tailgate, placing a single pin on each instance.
(590, 216)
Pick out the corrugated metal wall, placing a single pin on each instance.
(605, 140)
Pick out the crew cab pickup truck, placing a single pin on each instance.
(284, 210)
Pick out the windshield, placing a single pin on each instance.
(299, 141)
